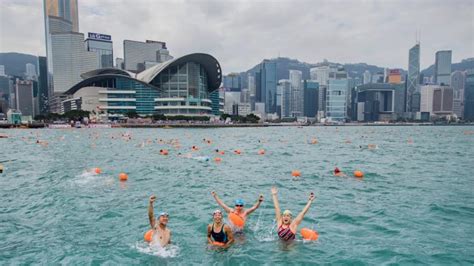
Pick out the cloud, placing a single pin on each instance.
(242, 33)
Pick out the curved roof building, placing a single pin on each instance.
(181, 86)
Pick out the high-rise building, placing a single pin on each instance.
(43, 93)
(437, 100)
(442, 67)
(137, 53)
(367, 77)
(413, 79)
(268, 83)
(394, 76)
(336, 108)
(101, 44)
(310, 98)
(378, 77)
(119, 63)
(2, 71)
(296, 80)
(65, 9)
(321, 74)
(252, 86)
(458, 80)
(379, 102)
(284, 85)
(469, 96)
(232, 82)
(24, 97)
(30, 73)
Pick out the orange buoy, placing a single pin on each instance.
(236, 220)
(148, 235)
(237, 152)
(358, 174)
(218, 159)
(261, 152)
(123, 177)
(296, 173)
(309, 234)
(219, 244)
(97, 170)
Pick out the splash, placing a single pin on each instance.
(155, 249)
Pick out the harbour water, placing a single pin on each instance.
(414, 205)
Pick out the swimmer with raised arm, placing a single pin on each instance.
(160, 232)
(239, 207)
(287, 227)
(219, 233)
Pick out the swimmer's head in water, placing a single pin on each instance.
(163, 218)
(217, 215)
(336, 170)
(239, 203)
(286, 218)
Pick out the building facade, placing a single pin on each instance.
(136, 54)
(437, 100)
(336, 108)
(284, 86)
(181, 86)
(442, 70)
(458, 80)
(413, 79)
(296, 80)
(379, 102)
(469, 96)
(24, 97)
(311, 93)
(268, 83)
(101, 44)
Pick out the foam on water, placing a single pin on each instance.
(155, 249)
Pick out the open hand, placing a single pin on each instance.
(213, 193)
(152, 199)
(274, 190)
(311, 196)
(260, 198)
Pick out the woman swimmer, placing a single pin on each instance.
(218, 233)
(287, 227)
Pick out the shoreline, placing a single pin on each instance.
(190, 125)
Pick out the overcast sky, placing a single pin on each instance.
(242, 33)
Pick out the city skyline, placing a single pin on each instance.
(376, 36)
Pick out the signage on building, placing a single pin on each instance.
(99, 36)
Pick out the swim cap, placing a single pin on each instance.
(239, 202)
(287, 212)
(217, 211)
(336, 170)
(163, 214)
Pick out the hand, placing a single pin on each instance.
(311, 196)
(274, 190)
(260, 198)
(152, 199)
(213, 193)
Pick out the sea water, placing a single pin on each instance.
(414, 205)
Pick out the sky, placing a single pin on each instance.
(240, 34)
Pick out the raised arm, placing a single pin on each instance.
(300, 216)
(219, 201)
(151, 216)
(277, 206)
(254, 207)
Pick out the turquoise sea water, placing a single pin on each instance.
(414, 205)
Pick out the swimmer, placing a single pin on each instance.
(338, 172)
(239, 207)
(286, 226)
(160, 232)
(218, 233)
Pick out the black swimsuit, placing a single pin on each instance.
(220, 236)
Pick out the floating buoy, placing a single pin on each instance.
(123, 177)
(296, 173)
(217, 159)
(97, 170)
(309, 234)
(358, 174)
(237, 152)
(236, 220)
(261, 152)
(148, 235)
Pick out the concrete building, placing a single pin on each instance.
(378, 77)
(311, 93)
(437, 100)
(469, 96)
(231, 102)
(101, 44)
(458, 80)
(267, 78)
(367, 77)
(2, 71)
(321, 74)
(137, 53)
(442, 70)
(232, 82)
(336, 108)
(30, 73)
(180, 86)
(119, 63)
(379, 102)
(24, 97)
(394, 76)
(284, 85)
(413, 79)
(217, 101)
(252, 86)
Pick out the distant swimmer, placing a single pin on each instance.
(286, 226)
(218, 233)
(338, 172)
(161, 234)
(237, 216)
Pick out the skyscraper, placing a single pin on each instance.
(336, 94)
(2, 71)
(30, 72)
(413, 79)
(458, 79)
(101, 44)
(285, 86)
(232, 81)
(469, 96)
(310, 98)
(66, 9)
(367, 77)
(442, 70)
(296, 79)
(136, 54)
(43, 93)
(268, 83)
(24, 97)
